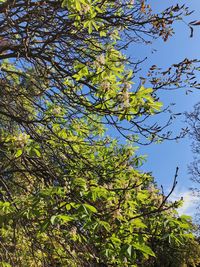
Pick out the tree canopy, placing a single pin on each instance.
(193, 119)
(70, 194)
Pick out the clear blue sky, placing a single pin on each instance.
(164, 158)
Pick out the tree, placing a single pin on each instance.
(70, 194)
(193, 119)
(170, 251)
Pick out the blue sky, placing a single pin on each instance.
(164, 158)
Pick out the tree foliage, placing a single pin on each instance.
(70, 194)
(193, 119)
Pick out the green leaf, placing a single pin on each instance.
(186, 217)
(102, 34)
(68, 206)
(144, 249)
(90, 27)
(44, 225)
(3, 263)
(80, 182)
(90, 208)
(53, 218)
(115, 240)
(105, 225)
(18, 153)
(129, 250)
(64, 218)
(37, 152)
